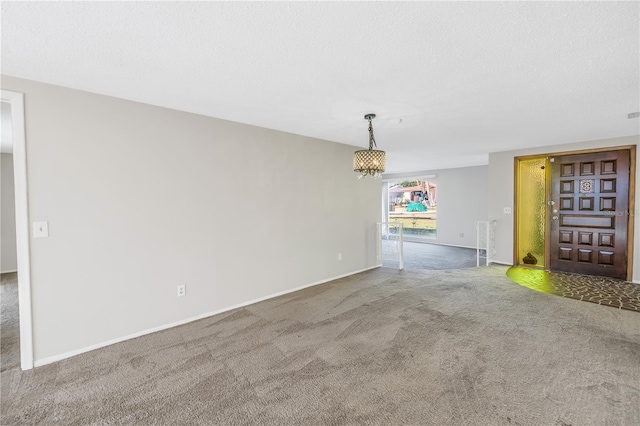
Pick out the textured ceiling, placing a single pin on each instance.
(449, 81)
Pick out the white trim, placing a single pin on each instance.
(22, 225)
(416, 175)
(69, 354)
(9, 272)
(429, 241)
(501, 263)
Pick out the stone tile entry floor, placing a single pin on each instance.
(601, 290)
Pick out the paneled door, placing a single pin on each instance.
(589, 212)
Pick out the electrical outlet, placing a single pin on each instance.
(339, 256)
(182, 290)
(506, 210)
(461, 235)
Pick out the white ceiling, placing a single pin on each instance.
(465, 78)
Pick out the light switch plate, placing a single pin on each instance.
(40, 229)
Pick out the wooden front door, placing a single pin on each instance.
(589, 213)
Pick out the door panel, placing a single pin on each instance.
(589, 214)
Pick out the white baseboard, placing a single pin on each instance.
(500, 263)
(60, 357)
(9, 272)
(456, 245)
(428, 241)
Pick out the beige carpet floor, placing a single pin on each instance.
(430, 256)
(465, 347)
(9, 322)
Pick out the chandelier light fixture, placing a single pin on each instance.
(369, 162)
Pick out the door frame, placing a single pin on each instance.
(632, 199)
(16, 100)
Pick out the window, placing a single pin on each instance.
(414, 203)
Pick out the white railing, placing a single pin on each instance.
(485, 240)
(389, 247)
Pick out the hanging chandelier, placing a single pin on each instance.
(369, 161)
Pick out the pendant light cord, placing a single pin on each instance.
(372, 140)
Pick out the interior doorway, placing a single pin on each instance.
(9, 300)
(573, 212)
(15, 102)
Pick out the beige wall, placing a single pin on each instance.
(462, 200)
(8, 259)
(140, 199)
(501, 192)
